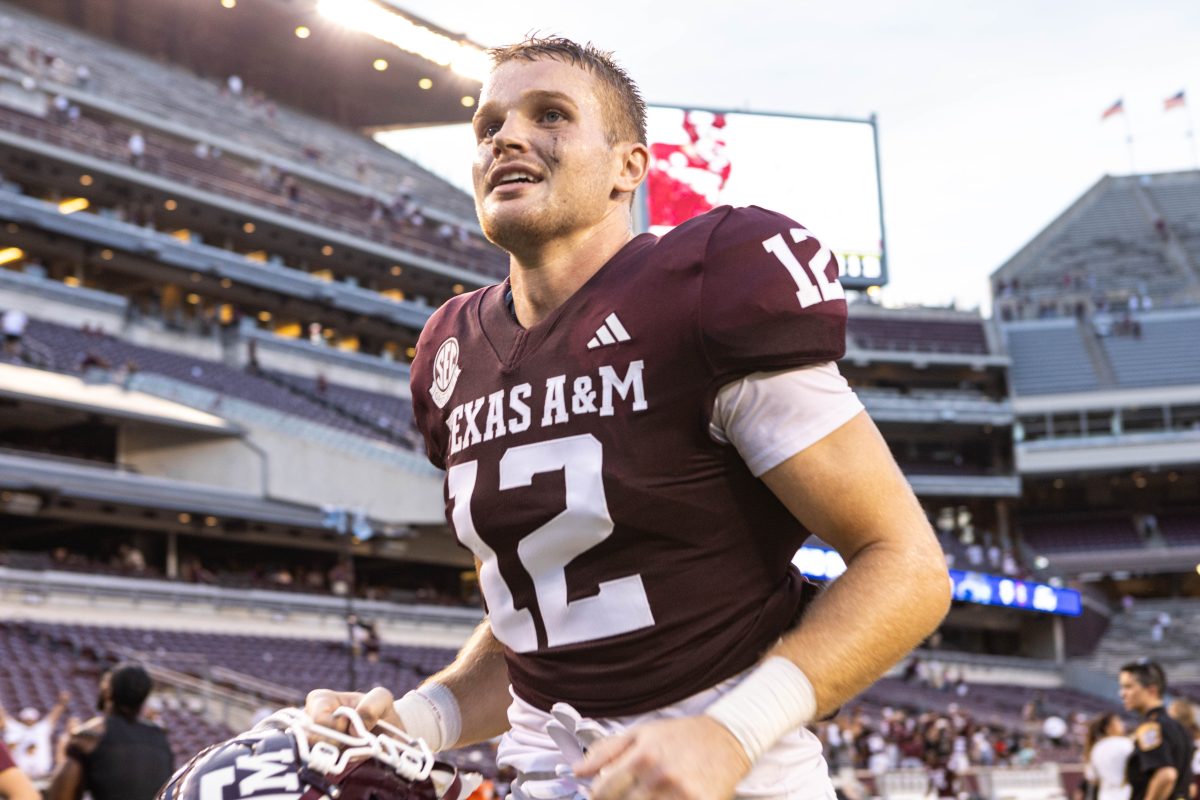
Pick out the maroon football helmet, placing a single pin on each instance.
(276, 760)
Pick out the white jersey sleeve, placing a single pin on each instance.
(771, 416)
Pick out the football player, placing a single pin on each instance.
(638, 433)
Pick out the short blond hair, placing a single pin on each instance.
(624, 108)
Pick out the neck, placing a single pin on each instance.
(545, 275)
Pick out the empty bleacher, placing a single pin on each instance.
(1081, 533)
(1163, 354)
(1048, 357)
(917, 335)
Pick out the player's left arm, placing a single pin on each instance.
(894, 592)
(896, 588)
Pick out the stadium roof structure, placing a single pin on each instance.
(307, 54)
(1131, 235)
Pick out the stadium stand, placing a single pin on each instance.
(918, 335)
(1162, 353)
(1124, 244)
(157, 90)
(1049, 357)
(36, 670)
(342, 408)
(1100, 532)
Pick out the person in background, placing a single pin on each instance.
(1106, 750)
(116, 756)
(1183, 711)
(31, 737)
(1161, 766)
(14, 784)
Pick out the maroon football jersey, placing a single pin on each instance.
(628, 560)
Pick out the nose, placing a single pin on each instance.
(512, 135)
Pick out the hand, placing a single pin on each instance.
(373, 707)
(693, 758)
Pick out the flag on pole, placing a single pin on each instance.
(1174, 101)
(1116, 108)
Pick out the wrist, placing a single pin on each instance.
(431, 713)
(773, 700)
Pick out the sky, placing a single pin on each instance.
(989, 112)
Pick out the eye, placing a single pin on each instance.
(553, 115)
(487, 131)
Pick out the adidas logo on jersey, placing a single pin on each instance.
(611, 332)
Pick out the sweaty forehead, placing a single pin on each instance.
(515, 80)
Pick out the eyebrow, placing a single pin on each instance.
(526, 96)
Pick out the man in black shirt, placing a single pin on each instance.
(115, 756)
(1160, 767)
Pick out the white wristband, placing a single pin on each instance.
(431, 713)
(774, 699)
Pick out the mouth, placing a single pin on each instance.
(510, 180)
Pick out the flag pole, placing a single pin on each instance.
(1191, 136)
(1129, 141)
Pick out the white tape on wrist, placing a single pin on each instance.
(431, 713)
(771, 701)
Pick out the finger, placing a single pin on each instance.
(377, 705)
(321, 703)
(601, 754)
(618, 780)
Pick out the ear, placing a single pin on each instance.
(635, 165)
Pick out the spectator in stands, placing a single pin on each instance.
(15, 784)
(13, 323)
(136, 147)
(31, 736)
(115, 756)
(236, 85)
(1105, 754)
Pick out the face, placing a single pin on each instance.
(1135, 696)
(104, 697)
(544, 121)
(1115, 727)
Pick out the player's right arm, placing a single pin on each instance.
(477, 680)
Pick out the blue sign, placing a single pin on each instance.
(969, 587)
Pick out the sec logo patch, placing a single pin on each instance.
(445, 372)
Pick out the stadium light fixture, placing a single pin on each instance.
(11, 254)
(170, 205)
(395, 29)
(73, 204)
(380, 65)
(425, 83)
(229, 3)
(467, 101)
(85, 180)
(303, 32)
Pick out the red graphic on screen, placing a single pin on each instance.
(686, 179)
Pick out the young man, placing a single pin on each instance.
(115, 756)
(1161, 765)
(638, 434)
